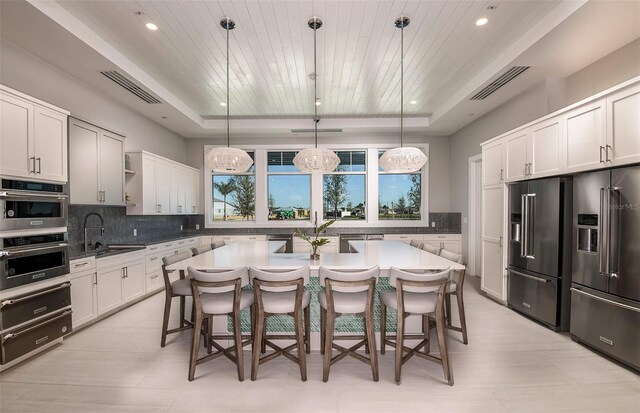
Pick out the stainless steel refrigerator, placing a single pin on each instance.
(539, 272)
(605, 295)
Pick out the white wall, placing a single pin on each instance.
(438, 159)
(27, 73)
(536, 102)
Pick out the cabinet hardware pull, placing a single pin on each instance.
(95, 277)
(82, 264)
(502, 174)
(500, 245)
(601, 148)
(607, 152)
(39, 165)
(33, 159)
(153, 259)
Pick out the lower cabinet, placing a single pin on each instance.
(133, 281)
(120, 278)
(84, 301)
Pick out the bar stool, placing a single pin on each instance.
(416, 244)
(415, 293)
(430, 248)
(281, 292)
(347, 292)
(179, 288)
(219, 293)
(217, 244)
(201, 249)
(456, 287)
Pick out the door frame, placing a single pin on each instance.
(471, 238)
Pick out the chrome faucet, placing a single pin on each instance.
(87, 242)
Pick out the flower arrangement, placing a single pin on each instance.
(315, 241)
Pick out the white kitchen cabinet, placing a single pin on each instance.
(545, 147)
(493, 278)
(121, 278)
(33, 138)
(161, 186)
(517, 163)
(109, 289)
(585, 136)
(406, 238)
(153, 281)
(96, 162)
(623, 126)
(492, 163)
(449, 242)
(133, 281)
(239, 238)
(84, 300)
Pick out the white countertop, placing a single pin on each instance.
(370, 253)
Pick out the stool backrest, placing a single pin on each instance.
(217, 244)
(172, 259)
(218, 276)
(452, 256)
(275, 276)
(430, 248)
(347, 275)
(201, 249)
(396, 273)
(415, 243)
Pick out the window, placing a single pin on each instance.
(344, 191)
(399, 195)
(234, 196)
(288, 190)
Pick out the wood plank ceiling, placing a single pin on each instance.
(272, 51)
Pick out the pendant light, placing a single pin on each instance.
(227, 159)
(403, 159)
(316, 160)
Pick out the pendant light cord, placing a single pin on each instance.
(315, 85)
(401, 81)
(228, 133)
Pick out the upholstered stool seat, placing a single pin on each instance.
(419, 303)
(345, 303)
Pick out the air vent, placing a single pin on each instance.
(313, 130)
(505, 78)
(130, 86)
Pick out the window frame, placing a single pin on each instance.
(316, 190)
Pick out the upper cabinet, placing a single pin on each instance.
(623, 126)
(545, 147)
(585, 136)
(492, 163)
(33, 138)
(159, 186)
(96, 163)
(517, 161)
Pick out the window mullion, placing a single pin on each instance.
(372, 185)
(261, 186)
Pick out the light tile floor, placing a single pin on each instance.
(510, 365)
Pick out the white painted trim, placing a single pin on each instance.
(471, 221)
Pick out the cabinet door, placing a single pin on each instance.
(623, 126)
(153, 281)
(492, 159)
(112, 168)
(516, 155)
(174, 185)
(50, 144)
(545, 146)
(492, 250)
(404, 238)
(585, 136)
(84, 143)
(16, 134)
(163, 186)
(133, 283)
(453, 246)
(83, 298)
(149, 187)
(191, 195)
(109, 289)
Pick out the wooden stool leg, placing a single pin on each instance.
(302, 362)
(195, 343)
(383, 328)
(182, 312)
(328, 345)
(425, 331)
(366, 335)
(264, 337)
(257, 345)
(442, 344)
(307, 329)
(237, 332)
(399, 344)
(165, 318)
(371, 345)
(447, 312)
(323, 328)
(207, 342)
(463, 321)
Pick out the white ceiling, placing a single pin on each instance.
(447, 57)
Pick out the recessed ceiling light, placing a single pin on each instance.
(151, 26)
(482, 21)
(223, 104)
(413, 102)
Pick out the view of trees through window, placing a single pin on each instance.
(399, 196)
(234, 196)
(289, 190)
(344, 191)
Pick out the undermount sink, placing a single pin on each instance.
(118, 248)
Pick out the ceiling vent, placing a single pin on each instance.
(130, 86)
(505, 78)
(313, 130)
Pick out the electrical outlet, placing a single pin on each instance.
(197, 226)
(180, 227)
(433, 224)
(464, 220)
(135, 232)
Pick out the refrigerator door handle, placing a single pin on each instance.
(531, 210)
(614, 228)
(603, 234)
(628, 307)
(523, 225)
(531, 277)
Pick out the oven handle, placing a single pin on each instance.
(31, 195)
(19, 251)
(29, 297)
(14, 335)
(531, 277)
